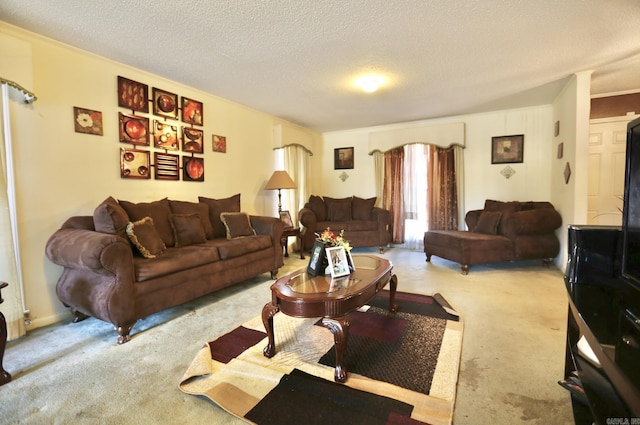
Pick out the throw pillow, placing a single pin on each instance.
(488, 222)
(144, 236)
(183, 207)
(188, 229)
(237, 225)
(217, 207)
(159, 211)
(110, 217)
(319, 208)
(338, 209)
(362, 208)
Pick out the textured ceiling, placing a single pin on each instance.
(298, 59)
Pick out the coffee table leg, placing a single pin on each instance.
(268, 311)
(393, 285)
(339, 327)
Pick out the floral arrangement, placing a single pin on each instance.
(328, 238)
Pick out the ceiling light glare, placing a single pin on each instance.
(370, 83)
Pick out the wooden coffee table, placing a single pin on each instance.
(301, 295)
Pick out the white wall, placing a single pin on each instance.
(61, 173)
(532, 180)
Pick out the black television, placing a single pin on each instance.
(631, 207)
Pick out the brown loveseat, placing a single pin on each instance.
(363, 224)
(502, 231)
(132, 260)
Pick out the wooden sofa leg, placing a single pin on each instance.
(546, 262)
(123, 332)
(274, 274)
(78, 316)
(464, 268)
(428, 258)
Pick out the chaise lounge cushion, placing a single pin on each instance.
(488, 222)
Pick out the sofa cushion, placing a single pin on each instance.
(143, 235)
(217, 207)
(361, 225)
(488, 222)
(159, 211)
(175, 260)
(110, 217)
(237, 225)
(362, 208)
(319, 208)
(506, 208)
(184, 207)
(237, 247)
(187, 229)
(338, 209)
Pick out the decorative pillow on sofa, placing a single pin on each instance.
(159, 211)
(183, 207)
(110, 217)
(237, 225)
(318, 207)
(362, 208)
(488, 222)
(338, 209)
(188, 229)
(217, 207)
(144, 236)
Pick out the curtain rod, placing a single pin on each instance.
(29, 97)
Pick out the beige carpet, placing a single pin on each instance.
(233, 372)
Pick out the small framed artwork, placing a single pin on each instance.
(556, 129)
(507, 149)
(338, 265)
(134, 164)
(343, 158)
(560, 150)
(87, 121)
(192, 140)
(165, 136)
(315, 266)
(219, 144)
(192, 111)
(133, 95)
(134, 129)
(165, 104)
(166, 166)
(286, 219)
(192, 169)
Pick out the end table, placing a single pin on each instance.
(285, 236)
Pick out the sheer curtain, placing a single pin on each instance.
(13, 307)
(415, 192)
(297, 160)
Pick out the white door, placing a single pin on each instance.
(607, 146)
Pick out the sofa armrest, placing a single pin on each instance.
(273, 227)
(382, 216)
(471, 218)
(532, 222)
(84, 249)
(307, 218)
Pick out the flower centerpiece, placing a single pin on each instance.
(329, 239)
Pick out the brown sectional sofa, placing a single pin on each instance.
(363, 224)
(128, 260)
(502, 231)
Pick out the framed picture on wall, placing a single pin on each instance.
(507, 149)
(343, 158)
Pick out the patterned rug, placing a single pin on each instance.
(403, 367)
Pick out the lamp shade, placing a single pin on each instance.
(280, 180)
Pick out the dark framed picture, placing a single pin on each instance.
(165, 104)
(87, 121)
(134, 164)
(192, 111)
(166, 166)
(134, 129)
(192, 169)
(316, 266)
(192, 140)
(133, 95)
(507, 149)
(343, 158)
(286, 219)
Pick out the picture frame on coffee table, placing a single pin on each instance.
(315, 266)
(338, 264)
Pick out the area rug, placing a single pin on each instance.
(403, 367)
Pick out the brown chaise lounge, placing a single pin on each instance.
(502, 231)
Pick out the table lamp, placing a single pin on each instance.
(280, 180)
